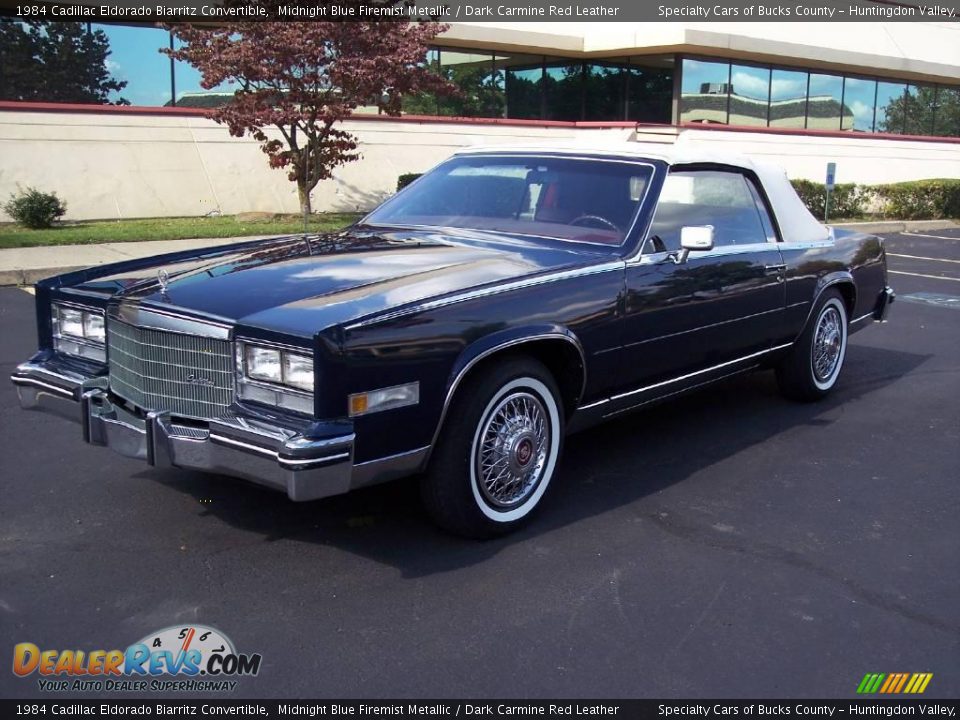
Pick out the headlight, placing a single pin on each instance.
(276, 376)
(79, 331)
(263, 364)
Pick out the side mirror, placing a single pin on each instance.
(694, 237)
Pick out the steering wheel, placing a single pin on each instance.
(597, 219)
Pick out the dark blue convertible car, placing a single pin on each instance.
(509, 296)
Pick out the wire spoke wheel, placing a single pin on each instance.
(513, 450)
(827, 344)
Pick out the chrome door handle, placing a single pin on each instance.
(774, 269)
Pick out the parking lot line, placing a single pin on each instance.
(921, 257)
(938, 237)
(932, 277)
(28, 290)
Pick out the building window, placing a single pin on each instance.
(947, 116)
(563, 89)
(919, 108)
(649, 89)
(890, 107)
(825, 109)
(523, 81)
(704, 93)
(788, 98)
(424, 103)
(604, 91)
(749, 95)
(859, 97)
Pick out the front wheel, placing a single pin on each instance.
(811, 369)
(498, 450)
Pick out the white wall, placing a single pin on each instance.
(114, 165)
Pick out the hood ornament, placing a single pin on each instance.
(163, 277)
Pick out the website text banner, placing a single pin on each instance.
(514, 11)
(400, 709)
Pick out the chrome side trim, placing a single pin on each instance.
(246, 446)
(681, 378)
(155, 319)
(861, 318)
(723, 250)
(296, 462)
(640, 404)
(387, 468)
(490, 351)
(486, 292)
(807, 245)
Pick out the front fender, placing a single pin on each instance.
(503, 340)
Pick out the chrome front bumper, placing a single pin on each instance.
(305, 467)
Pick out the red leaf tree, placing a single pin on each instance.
(304, 78)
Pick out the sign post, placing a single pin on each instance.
(831, 182)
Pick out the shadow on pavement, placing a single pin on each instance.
(607, 467)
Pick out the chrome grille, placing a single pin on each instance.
(159, 370)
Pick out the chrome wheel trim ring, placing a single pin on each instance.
(512, 452)
(542, 460)
(829, 344)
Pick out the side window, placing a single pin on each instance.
(765, 220)
(706, 197)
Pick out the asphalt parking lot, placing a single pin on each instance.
(730, 544)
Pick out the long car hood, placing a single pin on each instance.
(299, 286)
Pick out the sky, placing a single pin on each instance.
(135, 57)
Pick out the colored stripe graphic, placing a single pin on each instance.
(894, 683)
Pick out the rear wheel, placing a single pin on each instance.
(811, 369)
(497, 452)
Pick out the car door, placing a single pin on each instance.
(685, 315)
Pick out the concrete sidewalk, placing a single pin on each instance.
(25, 266)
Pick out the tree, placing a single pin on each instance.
(55, 62)
(304, 78)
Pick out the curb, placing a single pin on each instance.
(895, 226)
(18, 277)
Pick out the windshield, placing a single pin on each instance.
(586, 200)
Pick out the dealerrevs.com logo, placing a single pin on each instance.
(177, 658)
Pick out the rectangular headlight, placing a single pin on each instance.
(79, 331)
(262, 363)
(276, 376)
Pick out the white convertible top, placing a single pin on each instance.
(796, 223)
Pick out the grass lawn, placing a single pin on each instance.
(101, 231)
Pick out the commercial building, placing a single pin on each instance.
(880, 99)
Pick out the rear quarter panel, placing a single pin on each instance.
(852, 257)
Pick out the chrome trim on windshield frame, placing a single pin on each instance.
(563, 155)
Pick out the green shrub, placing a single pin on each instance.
(920, 199)
(846, 201)
(35, 209)
(406, 179)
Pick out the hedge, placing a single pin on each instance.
(406, 179)
(921, 199)
(912, 200)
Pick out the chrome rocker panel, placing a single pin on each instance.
(303, 467)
